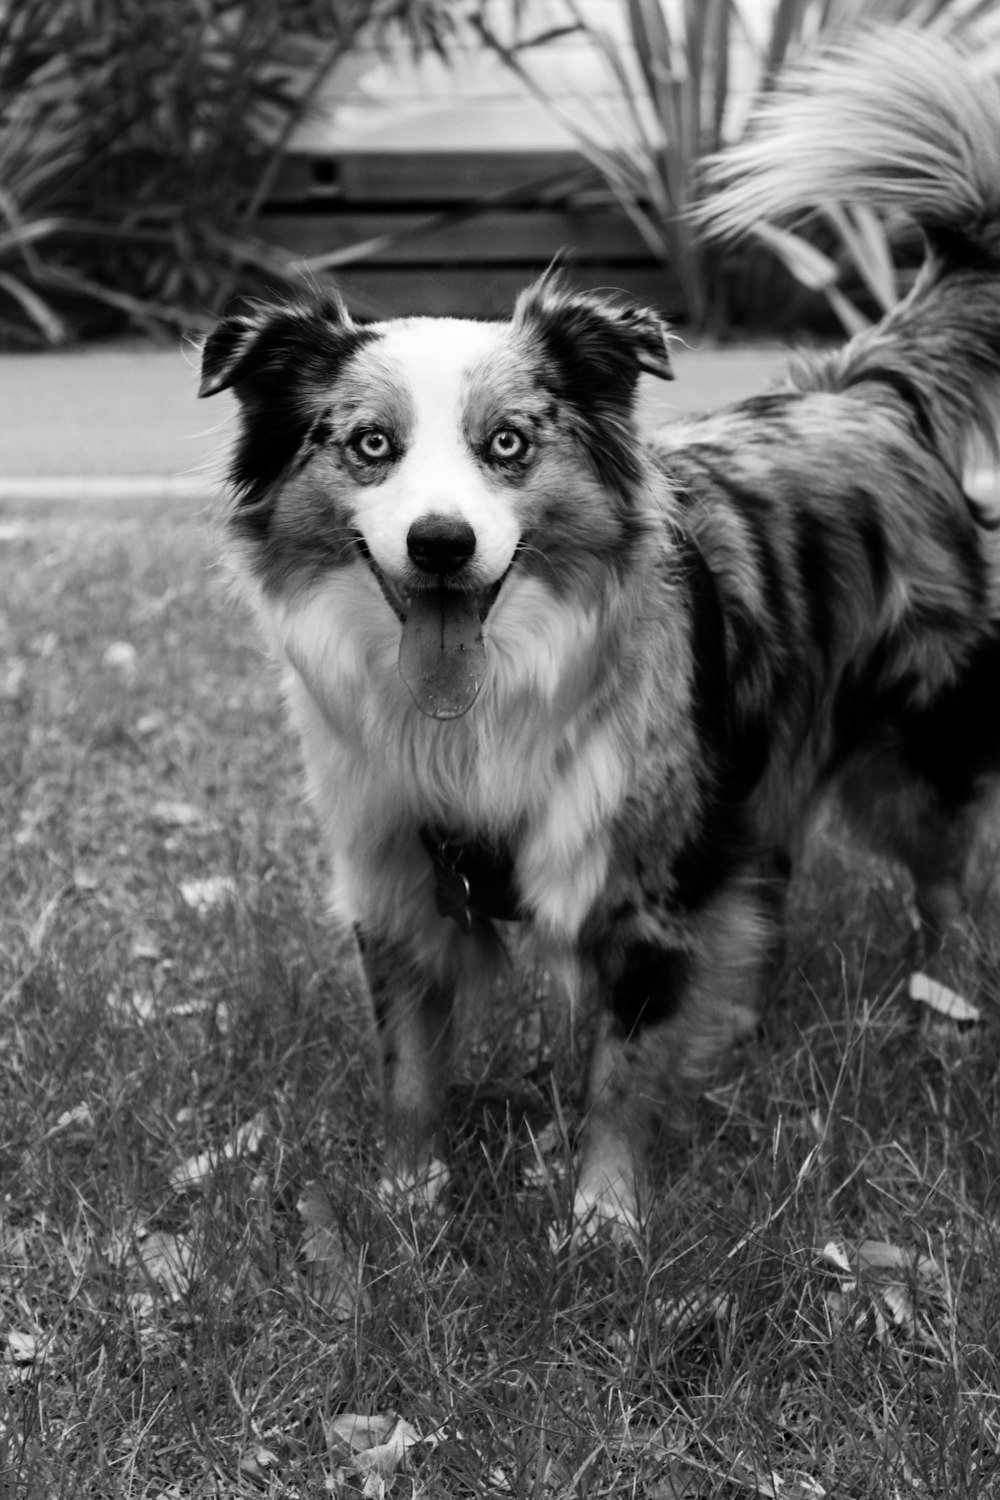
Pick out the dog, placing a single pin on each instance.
(545, 669)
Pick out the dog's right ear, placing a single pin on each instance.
(282, 363)
(224, 351)
(248, 350)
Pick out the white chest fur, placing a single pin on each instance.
(532, 762)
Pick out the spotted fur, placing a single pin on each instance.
(689, 640)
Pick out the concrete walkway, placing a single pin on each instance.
(106, 418)
(112, 421)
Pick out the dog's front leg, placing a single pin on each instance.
(413, 1016)
(669, 1004)
(640, 987)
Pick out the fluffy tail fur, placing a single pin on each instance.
(902, 123)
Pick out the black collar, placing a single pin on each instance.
(471, 878)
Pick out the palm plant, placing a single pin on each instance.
(648, 172)
(688, 73)
(139, 138)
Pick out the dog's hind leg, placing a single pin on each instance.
(951, 855)
(926, 795)
(667, 1011)
(938, 859)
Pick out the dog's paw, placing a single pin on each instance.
(601, 1211)
(417, 1192)
(609, 1209)
(606, 1201)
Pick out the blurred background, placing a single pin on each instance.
(160, 157)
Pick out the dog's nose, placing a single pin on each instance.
(440, 544)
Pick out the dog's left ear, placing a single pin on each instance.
(612, 340)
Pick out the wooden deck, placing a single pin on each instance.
(456, 233)
(467, 185)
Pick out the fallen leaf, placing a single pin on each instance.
(168, 1260)
(359, 1432)
(80, 1115)
(333, 1273)
(46, 645)
(180, 815)
(771, 1485)
(900, 1305)
(23, 1348)
(196, 1170)
(836, 1254)
(181, 1009)
(14, 679)
(143, 1004)
(28, 829)
(255, 1465)
(882, 1255)
(122, 657)
(145, 947)
(883, 1299)
(385, 1458)
(681, 1314)
(940, 998)
(378, 1445)
(132, 1004)
(836, 1302)
(208, 894)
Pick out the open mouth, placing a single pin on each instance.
(442, 654)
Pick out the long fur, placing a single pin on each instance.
(684, 643)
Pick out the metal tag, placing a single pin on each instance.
(451, 894)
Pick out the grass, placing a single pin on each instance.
(198, 1288)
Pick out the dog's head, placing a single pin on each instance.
(440, 455)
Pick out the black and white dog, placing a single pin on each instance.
(543, 668)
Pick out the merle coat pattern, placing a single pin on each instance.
(605, 680)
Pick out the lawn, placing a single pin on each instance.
(200, 1294)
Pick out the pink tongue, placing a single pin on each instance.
(442, 656)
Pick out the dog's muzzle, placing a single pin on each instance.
(442, 653)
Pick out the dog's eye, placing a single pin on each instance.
(507, 444)
(373, 445)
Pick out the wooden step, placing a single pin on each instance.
(486, 291)
(519, 236)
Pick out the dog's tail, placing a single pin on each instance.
(902, 123)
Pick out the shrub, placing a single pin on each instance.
(138, 139)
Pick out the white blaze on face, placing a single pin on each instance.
(437, 363)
